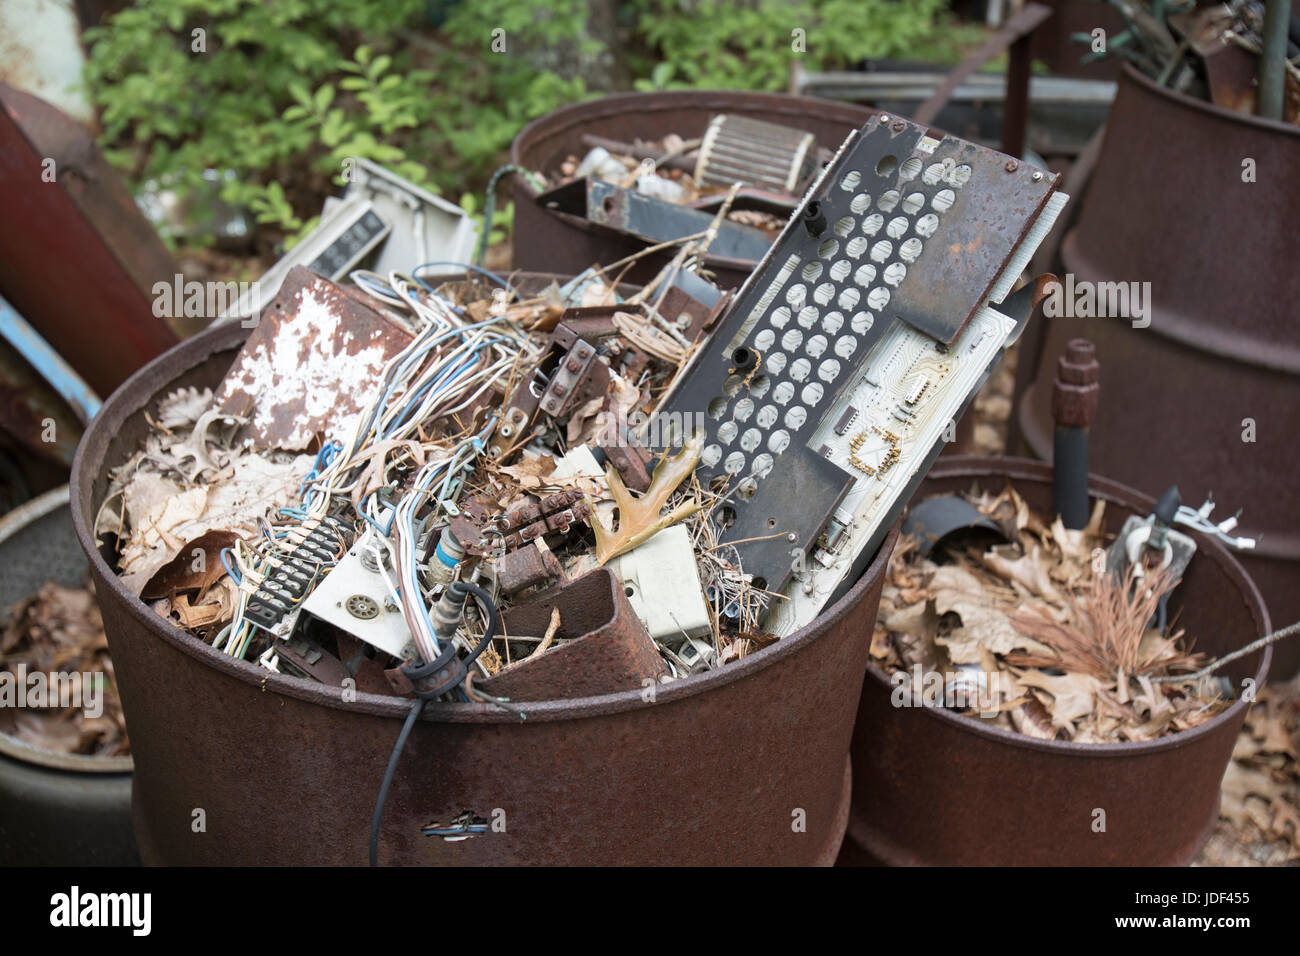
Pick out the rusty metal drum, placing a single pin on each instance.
(933, 787)
(747, 764)
(1201, 203)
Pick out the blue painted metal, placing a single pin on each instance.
(48, 363)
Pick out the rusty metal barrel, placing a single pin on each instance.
(933, 787)
(546, 240)
(746, 764)
(56, 809)
(1201, 203)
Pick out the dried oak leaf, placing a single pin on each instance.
(195, 568)
(183, 407)
(1070, 696)
(984, 623)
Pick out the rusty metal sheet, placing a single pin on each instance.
(83, 224)
(313, 362)
(605, 646)
(984, 203)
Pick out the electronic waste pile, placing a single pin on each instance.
(506, 488)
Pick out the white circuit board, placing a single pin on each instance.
(904, 402)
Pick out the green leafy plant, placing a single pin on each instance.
(283, 92)
(279, 94)
(753, 45)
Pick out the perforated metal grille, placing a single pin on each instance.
(887, 240)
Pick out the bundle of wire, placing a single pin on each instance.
(448, 365)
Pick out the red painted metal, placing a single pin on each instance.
(933, 787)
(1220, 362)
(77, 259)
(546, 240)
(744, 764)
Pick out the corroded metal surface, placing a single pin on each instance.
(605, 646)
(1220, 363)
(717, 768)
(315, 359)
(933, 787)
(554, 241)
(32, 412)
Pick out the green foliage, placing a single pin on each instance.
(189, 85)
(282, 92)
(733, 44)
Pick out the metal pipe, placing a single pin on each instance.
(1074, 404)
(1272, 60)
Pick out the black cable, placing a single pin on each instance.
(416, 708)
(489, 609)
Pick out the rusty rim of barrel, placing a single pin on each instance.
(146, 384)
(980, 468)
(772, 105)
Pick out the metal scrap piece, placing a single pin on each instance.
(903, 228)
(651, 219)
(553, 514)
(604, 646)
(315, 360)
(528, 567)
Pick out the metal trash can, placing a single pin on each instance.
(933, 787)
(56, 809)
(746, 764)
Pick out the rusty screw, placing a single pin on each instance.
(1011, 166)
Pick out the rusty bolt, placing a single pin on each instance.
(1011, 166)
(558, 389)
(1075, 391)
(574, 366)
(899, 126)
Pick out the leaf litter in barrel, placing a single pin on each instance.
(1066, 653)
(59, 630)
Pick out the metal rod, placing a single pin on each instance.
(1272, 60)
(1013, 33)
(1074, 404)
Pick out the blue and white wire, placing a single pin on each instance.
(461, 267)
